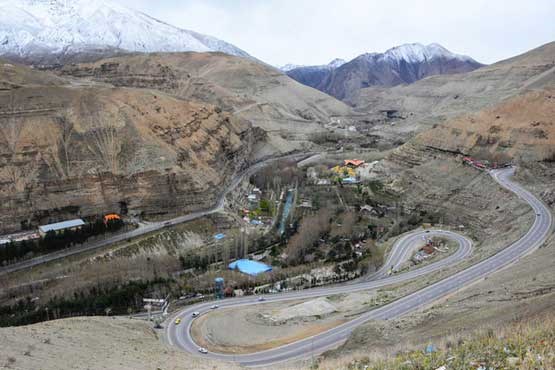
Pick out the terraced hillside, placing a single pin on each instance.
(75, 149)
(284, 108)
(521, 128)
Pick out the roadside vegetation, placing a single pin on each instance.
(329, 233)
(110, 300)
(54, 241)
(523, 345)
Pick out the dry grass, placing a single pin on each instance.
(302, 333)
(93, 343)
(519, 128)
(521, 345)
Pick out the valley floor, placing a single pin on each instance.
(505, 310)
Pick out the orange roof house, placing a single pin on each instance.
(111, 217)
(353, 162)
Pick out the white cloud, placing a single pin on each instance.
(315, 32)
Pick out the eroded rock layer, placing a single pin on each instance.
(71, 149)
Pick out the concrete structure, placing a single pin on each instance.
(60, 226)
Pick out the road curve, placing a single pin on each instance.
(180, 337)
(151, 227)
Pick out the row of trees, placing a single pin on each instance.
(278, 174)
(54, 241)
(116, 300)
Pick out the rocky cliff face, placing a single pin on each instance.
(70, 149)
(245, 88)
(519, 129)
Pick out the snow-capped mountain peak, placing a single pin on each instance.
(289, 67)
(40, 28)
(417, 52)
(337, 62)
(402, 64)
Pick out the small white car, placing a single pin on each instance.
(203, 350)
(214, 306)
(196, 313)
(261, 299)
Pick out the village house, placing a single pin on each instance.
(353, 163)
(72, 225)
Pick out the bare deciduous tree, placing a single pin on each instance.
(310, 230)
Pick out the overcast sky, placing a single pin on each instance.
(317, 31)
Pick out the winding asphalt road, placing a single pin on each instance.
(151, 227)
(180, 335)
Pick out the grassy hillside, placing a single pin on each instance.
(520, 345)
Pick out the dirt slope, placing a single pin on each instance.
(14, 75)
(92, 343)
(437, 98)
(69, 150)
(255, 91)
(521, 128)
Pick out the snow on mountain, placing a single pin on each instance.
(336, 63)
(37, 28)
(288, 67)
(402, 64)
(418, 53)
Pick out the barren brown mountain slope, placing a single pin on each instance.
(14, 75)
(70, 150)
(255, 91)
(93, 343)
(521, 128)
(437, 98)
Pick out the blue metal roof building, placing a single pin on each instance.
(249, 267)
(61, 226)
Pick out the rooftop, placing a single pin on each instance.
(353, 162)
(249, 267)
(62, 225)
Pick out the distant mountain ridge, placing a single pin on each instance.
(337, 62)
(56, 30)
(403, 64)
